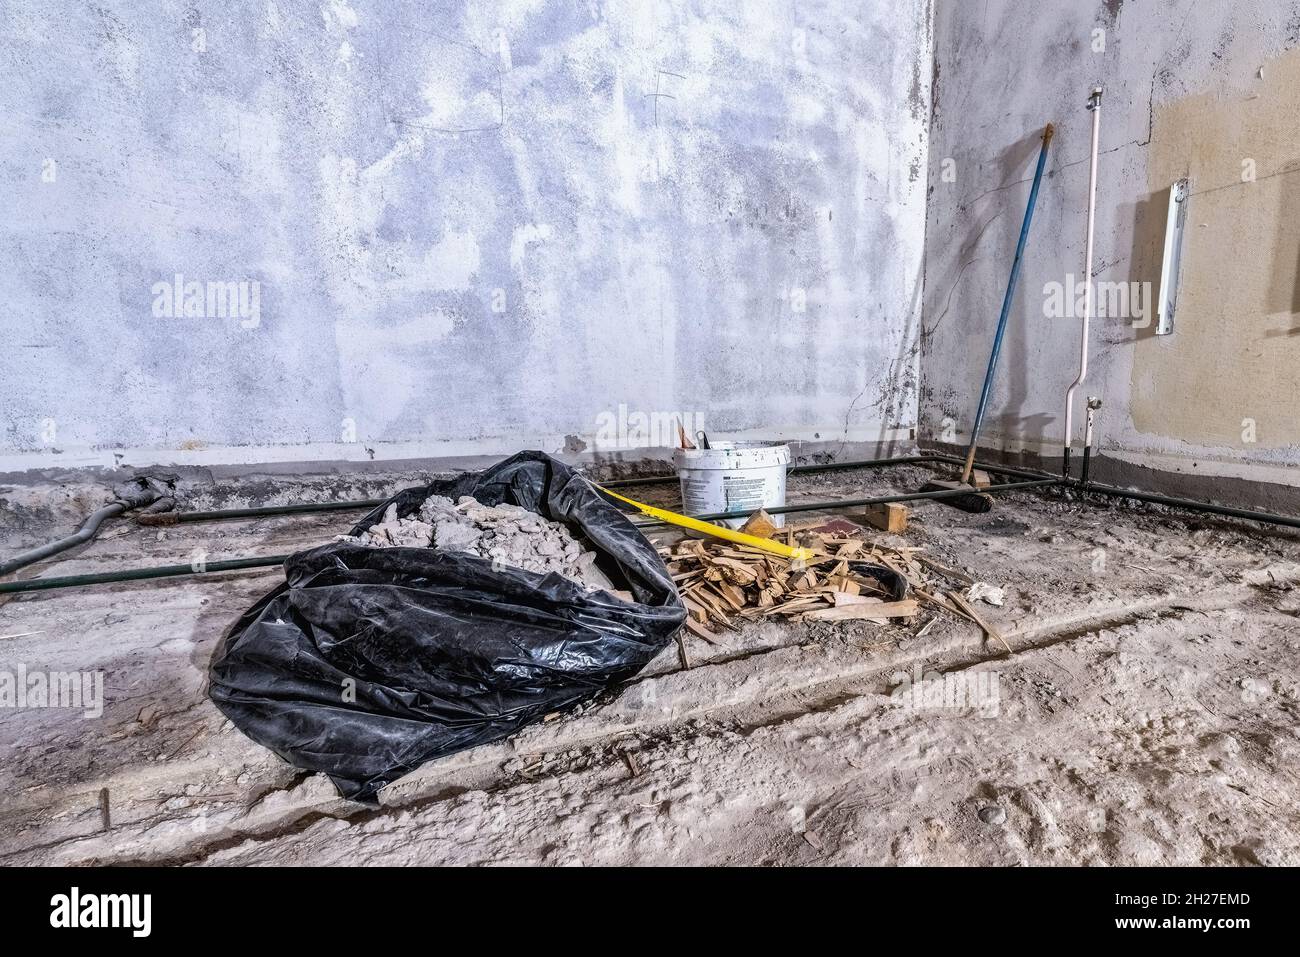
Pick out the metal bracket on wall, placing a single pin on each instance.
(1171, 262)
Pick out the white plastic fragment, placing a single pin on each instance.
(990, 594)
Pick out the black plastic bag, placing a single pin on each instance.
(369, 662)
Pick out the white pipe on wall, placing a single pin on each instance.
(1094, 104)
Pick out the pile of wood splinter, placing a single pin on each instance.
(722, 582)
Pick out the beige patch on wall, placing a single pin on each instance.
(1234, 354)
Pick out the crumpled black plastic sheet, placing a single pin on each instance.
(368, 662)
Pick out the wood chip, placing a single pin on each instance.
(699, 631)
(944, 570)
(725, 583)
(843, 598)
(759, 524)
(630, 761)
(887, 609)
(988, 629)
(890, 517)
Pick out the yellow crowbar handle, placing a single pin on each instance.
(717, 531)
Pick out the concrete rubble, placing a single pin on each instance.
(508, 534)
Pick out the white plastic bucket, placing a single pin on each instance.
(739, 477)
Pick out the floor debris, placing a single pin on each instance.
(989, 631)
(760, 524)
(890, 517)
(989, 594)
(722, 583)
(1189, 667)
(508, 534)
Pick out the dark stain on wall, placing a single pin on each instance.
(916, 93)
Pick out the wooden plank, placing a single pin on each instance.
(844, 586)
(850, 548)
(759, 524)
(682, 657)
(711, 602)
(893, 566)
(952, 573)
(869, 584)
(890, 517)
(988, 629)
(796, 605)
(888, 609)
(841, 599)
(700, 631)
(941, 602)
(733, 595)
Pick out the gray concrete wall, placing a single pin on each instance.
(453, 229)
(1203, 88)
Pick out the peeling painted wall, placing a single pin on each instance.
(457, 227)
(1208, 90)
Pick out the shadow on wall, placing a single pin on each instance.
(1284, 290)
(1148, 215)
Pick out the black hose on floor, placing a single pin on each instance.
(141, 492)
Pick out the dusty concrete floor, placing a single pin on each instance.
(1147, 715)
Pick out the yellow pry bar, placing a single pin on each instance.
(717, 531)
